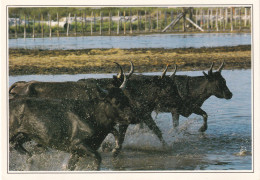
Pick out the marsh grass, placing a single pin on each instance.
(22, 61)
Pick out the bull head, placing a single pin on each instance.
(165, 70)
(217, 84)
(209, 72)
(119, 75)
(123, 86)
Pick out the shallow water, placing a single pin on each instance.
(141, 41)
(226, 145)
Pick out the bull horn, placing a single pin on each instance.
(221, 67)
(131, 70)
(123, 85)
(210, 70)
(119, 74)
(164, 72)
(102, 90)
(174, 72)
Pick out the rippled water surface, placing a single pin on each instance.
(142, 41)
(226, 145)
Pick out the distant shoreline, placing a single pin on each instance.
(29, 61)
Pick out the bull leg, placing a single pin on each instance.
(72, 161)
(152, 125)
(141, 124)
(18, 141)
(202, 113)
(81, 151)
(19, 147)
(116, 135)
(120, 139)
(175, 118)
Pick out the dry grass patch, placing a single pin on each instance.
(101, 60)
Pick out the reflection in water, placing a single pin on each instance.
(226, 145)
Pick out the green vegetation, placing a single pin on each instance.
(64, 11)
(150, 19)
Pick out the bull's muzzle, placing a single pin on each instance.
(228, 95)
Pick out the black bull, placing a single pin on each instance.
(194, 91)
(74, 126)
(144, 94)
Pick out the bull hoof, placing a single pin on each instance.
(166, 147)
(203, 128)
(30, 160)
(175, 125)
(97, 168)
(71, 167)
(164, 144)
(115, 152)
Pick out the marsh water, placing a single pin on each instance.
(141, 41)
(226, 145)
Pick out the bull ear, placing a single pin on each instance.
(119, 75)
(131, 70)
(207, 76)
(221, 67)
(210, 70)
(102, 90)
(164, 72)
(174, 72)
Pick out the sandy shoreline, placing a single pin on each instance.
(25, 61)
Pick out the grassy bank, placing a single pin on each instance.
(23, 61)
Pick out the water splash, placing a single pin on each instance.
(140, 137)
(243, 152)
